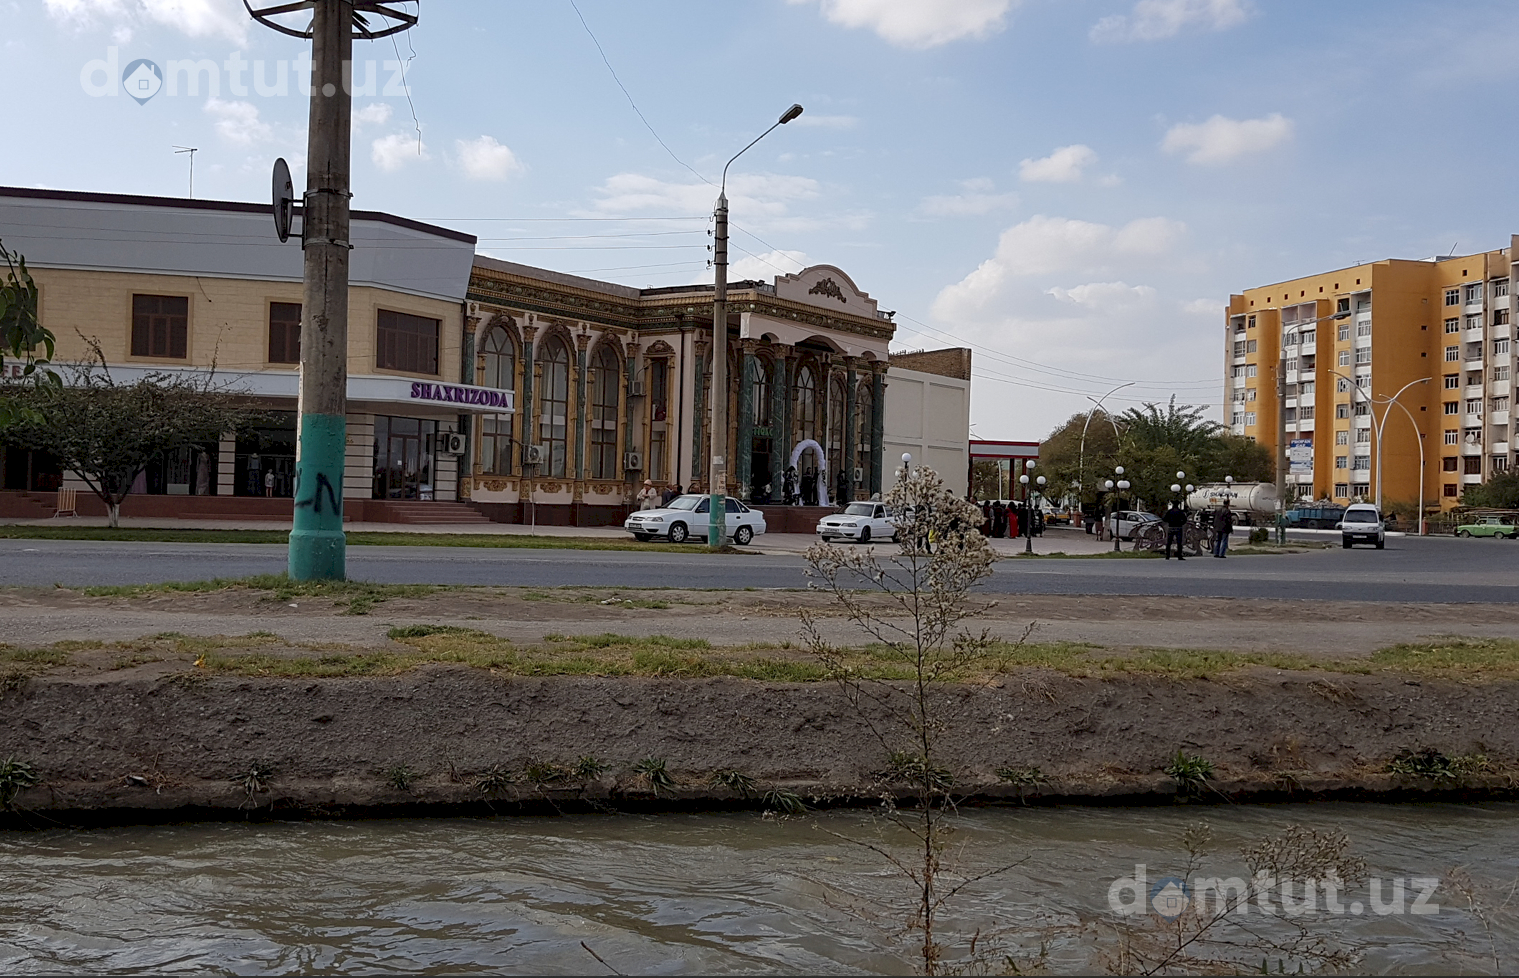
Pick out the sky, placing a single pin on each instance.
(1073, 188)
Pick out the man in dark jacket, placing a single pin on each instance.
(1176, 531)
(1223, 525)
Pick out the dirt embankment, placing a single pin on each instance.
(127, 744)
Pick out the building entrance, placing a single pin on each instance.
(763, 480)
(403, 457)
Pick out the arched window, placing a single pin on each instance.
(835, 421)
(554, 406)
(605, 395)
(863, 404)
(806, 409)
(500, 356)
(761, 392)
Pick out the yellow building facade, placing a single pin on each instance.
(1377, 362)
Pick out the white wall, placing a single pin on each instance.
(928, 416)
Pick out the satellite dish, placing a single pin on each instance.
(284, 199)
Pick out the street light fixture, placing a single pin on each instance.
(1122, 484)
(718, 488)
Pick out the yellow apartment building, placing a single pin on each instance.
(1420, 352)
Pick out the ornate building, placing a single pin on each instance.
(611, 387)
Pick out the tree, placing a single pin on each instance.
(108, 432)
(22, 335)
(1499, 492)
(927, 585)
(1244, 458)
(1067, 459)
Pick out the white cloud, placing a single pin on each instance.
(828, 121)
(197, 18)
(1062, 166)
(1222, 139)
(977, 199)
(749, 194)
(767, 266)
(1203, 307)
(392, 152)
(486, 159)
(919, 23)
(1104, 296)
(373, 114)
(1156, 20)
(238, 122)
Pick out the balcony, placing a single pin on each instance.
(1360, 421)
(1499, 388)
(1473, 390)
(1499, 418)
(1502, 332)
(1472, 448)
(1499, 448)
(1468, 478)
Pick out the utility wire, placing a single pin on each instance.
(406, 85)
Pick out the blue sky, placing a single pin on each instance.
(1072, 187)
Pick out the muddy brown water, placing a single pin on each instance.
(692, 894)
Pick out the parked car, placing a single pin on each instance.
(1362, 523)
(1126, 522)
(686, 517)
(860, 522)
(1490, 526)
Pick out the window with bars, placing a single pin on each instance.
(160, 326)
(284, 332)
(406, 342)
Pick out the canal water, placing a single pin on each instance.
(703, 894)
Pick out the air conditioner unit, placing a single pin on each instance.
(532, 454)
(859, 476)
(451, 443)
(632, 460)
(635, 389)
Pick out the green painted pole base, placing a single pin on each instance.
(318, 549)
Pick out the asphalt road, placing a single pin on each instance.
(1438, 569)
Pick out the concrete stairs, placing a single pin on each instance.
(424, 513)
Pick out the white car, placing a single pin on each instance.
(860, 522)
(1125, 523)
(686, 518)
(1362, 523)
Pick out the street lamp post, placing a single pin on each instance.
(1122, 484)
(1419, 437)
(1382, 427)
(1281, 421)
(718, 488)
(1082, 450)
(1028, 512)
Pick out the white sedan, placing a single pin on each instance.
(686, 517)
(1126, 523)
(860, 522)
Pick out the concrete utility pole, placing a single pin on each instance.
(318, 549)
(718, 476)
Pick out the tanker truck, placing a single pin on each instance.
(1249, 500)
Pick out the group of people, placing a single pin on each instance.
(999, 519)
(1176, 520)
(801, 488)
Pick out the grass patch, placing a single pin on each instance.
(1452, 657)
(356, 538)
(359, 596)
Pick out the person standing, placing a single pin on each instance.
(648, 496)
(999, 519)
(269, 481)
(1223, 525)
(1176, 531)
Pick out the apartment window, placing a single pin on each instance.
(1500, 317)
(1342, 305)
(1238, 418)
(1238, 371)
(1250, 346)
(1343, 332)
(1290, 414)
(1251, 322)
(1452, 381)
(1474, 321)
(1363, 355)
(1474, 351)
(1249, 417)
(1342, 437)
(1453, 325)
(1342, 411)
(1361, 463)
(1500, 373)
(1310, 336)
(1341, 385)
(1291, 364)
(1452, 436)
(1363, 436)
(1239, 348)
(1452, 297)
(1305, 413)
(1249, 370)
(1363, 305)
(1471, 465)
(1238, 397)
(1500, 348)
(1500, 463)
(1342, 490)
(1342, 461)
(1345, 358)
(160, 326)
(1500, 288)
(1473, 294)
(1500, 404)
(1452, 407)
(284, 332)
(1363, 380)
(406, 342)
(1452, 354)
(1450, 464)
(1474, 378)
(1239, 329)
(1449, 490)
(1471, 436)
(1307, 387)
(1363, 329)
(1362, 409)
(1289, 339)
